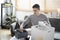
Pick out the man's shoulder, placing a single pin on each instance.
(44, 15)
(31, 15)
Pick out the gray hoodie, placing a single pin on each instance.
(35, 19)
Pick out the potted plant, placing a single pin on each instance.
(9, 20)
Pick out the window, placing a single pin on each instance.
(52, 4)
(27, 4)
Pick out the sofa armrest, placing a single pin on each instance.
(57, 35)
(29, 31)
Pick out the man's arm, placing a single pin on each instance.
(25, 22)
(47, 20)
(28, 20)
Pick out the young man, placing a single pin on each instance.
(36, 17)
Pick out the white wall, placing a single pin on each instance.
(21, 14)
(27, 4)
(52, 4)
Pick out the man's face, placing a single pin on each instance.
(36, 10)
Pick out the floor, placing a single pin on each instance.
(5, 34)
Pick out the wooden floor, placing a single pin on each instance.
(5, 34)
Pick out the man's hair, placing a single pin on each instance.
(36, 6)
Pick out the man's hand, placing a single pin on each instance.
(21, 29)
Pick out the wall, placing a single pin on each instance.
(27, 4)
(21, 14)
(52, 4)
